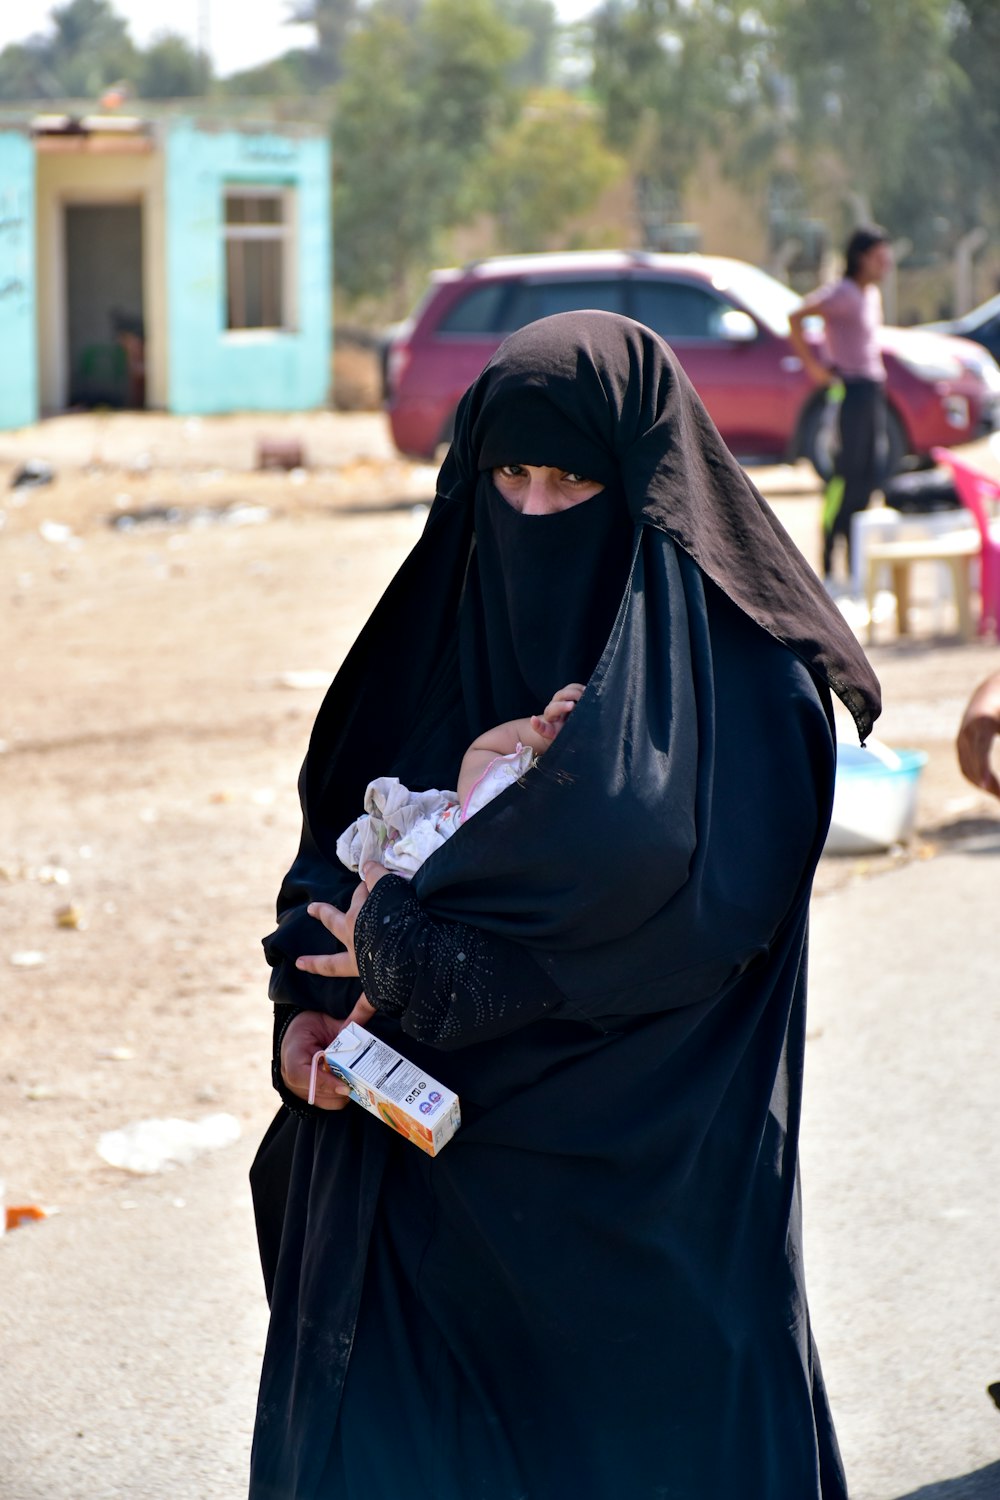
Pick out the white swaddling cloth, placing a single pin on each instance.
(400, 828)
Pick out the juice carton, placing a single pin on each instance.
(400, 1093)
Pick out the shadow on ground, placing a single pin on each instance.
(966, 836)
(983, 1484)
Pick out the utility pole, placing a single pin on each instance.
(204, 29)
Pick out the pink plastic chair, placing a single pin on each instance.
(980, 493)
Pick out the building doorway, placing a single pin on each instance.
(105, 326)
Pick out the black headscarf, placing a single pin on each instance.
(593, 386)
(622, 824)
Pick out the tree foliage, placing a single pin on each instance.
(973, 122)
(675, 77)
(171, 68)
(550, 166)
(904, 94)
(87, 49)
(538, 23)
(415, 113)
(334, 20)
(867, 76)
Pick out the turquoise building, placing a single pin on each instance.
(177, 263)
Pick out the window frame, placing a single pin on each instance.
(284, 233)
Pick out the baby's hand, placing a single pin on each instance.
(558, 711)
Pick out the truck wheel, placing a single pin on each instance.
(818, 438)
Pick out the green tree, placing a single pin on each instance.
(537, 20)
(972, 118)
(171, 68)
(88, 48)
(91, 48)
(548, 167)
(415, 112)
(334, 20)
(293, 74)
(24, 72)
(873, 82)
(675, 77)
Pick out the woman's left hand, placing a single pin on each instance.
(341, 924)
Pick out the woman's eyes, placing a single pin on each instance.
(565, 476)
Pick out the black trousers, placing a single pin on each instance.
(861, 462)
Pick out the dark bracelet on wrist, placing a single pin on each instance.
(292, 1102)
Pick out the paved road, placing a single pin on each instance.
(131, 1337)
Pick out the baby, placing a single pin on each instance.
(400, 828)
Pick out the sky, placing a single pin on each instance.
(239, 33)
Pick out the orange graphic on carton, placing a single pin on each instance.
(394, 1089)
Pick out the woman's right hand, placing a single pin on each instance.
(309, 1032)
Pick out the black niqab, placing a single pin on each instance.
(541, 597)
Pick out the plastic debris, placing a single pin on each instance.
(27, 958)
(52, 875)
(307, 679)
(242, 515)
(116, 1054)
(32, 473)
(16, 1214)
(149, 1146)
(157, 517)
(56, 532)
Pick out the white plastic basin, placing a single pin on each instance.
(875, 798)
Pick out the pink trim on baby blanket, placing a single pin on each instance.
(483, 775)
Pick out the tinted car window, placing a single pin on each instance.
(477, 312)
(540, 299)
(989, 334)
(676, 310)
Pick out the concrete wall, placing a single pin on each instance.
(91, 177)
(18, 361)
(213, 369)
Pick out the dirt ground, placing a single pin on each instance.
(171, 617)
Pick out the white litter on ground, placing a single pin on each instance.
(148, 1146)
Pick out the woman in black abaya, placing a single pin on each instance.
(596, 1289)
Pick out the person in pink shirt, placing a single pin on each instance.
(851, 310)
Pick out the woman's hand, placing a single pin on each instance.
(341, 924)
(309, 1032)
